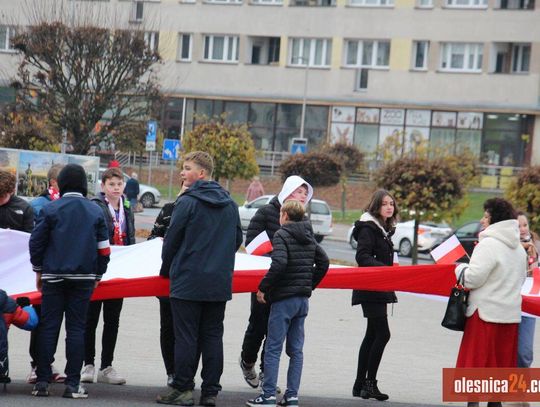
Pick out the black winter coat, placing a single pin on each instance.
(374, 249)
(266, 218)
(130, 219)
(299, 263)
(17, 214)
(201, 267)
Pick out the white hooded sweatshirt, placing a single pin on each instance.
(496, 273)
(290, 185)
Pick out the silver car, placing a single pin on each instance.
(321, 215)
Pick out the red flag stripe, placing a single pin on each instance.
(455, 254)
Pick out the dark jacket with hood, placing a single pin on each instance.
(266, 218)
(130, 219)
(298, 263)
(200, 246)
(375, 248)
(17, 214)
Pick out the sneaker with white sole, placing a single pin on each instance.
(110, 375)
(288, 401)
(32, 376)
(40, 389)
(88, 373)
(262, 401)
(75, 392)
(250, 376)
(57, 377)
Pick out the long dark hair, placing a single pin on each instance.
(374, 209)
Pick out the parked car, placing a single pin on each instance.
(321, 215)
(148, 196)
(467, 235)
(430, 234)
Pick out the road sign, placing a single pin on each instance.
(299, 146)
(151, 135)
(171, 149)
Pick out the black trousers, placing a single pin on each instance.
(255, 332)
(166, 334)
(198, 326)
(33, 349)
(372, 348)
(111, 321)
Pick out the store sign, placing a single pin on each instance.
(367, 115)
(392, 116)
(421, 118)
(444, 119)
(470, 120)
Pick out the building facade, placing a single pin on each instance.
(457, 73)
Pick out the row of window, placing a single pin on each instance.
(316, 52)
(374, 54)
(137, 13)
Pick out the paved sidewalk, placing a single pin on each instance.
(410, 371)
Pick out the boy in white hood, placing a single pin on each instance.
(266, 219)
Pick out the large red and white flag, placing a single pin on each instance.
(448, 251)
(260, 245)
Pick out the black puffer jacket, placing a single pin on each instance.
(374, 249)
(266, 218)
(298, 263)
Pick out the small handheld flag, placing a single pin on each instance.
(260, 245)
(448, 251)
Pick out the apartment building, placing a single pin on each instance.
(458, 73)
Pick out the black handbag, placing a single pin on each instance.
(454, 317)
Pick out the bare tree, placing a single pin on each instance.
(85, 74)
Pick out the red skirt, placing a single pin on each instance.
(488, 344)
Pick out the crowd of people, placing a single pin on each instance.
(200, 269)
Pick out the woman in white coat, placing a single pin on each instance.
(494, 275)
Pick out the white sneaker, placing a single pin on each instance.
(32, 376)
(87, 374)
(110, 376)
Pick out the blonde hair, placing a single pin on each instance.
(202, 159)
(294, 209)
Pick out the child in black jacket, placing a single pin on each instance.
(298, 266)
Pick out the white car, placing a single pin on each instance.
(321, 215)
(430, 234)
(148, 196)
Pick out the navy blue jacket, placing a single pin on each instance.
(200, 246)
(64, 243)
(132, 189)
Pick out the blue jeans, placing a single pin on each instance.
(286, 320)
(526, 341)
(72, 298)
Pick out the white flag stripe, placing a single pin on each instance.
(445, 247)
(260, 239)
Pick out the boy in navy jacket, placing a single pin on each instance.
(69, 252)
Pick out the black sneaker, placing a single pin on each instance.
(75, 392)
(208, 401)
(288, 401)
(40, 389)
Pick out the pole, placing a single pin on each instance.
(149, 167)
(303, 117)
(64, 141)
(170, 180)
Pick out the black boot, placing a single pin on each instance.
(357, 388)
(371, 391)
